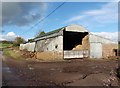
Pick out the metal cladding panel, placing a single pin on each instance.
(95, 50)
(60, 33)
(76, 28)
(75, 54)
(98, 39)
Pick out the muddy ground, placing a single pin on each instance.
(83, 72)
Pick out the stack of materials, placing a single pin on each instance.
(78, 47)
(85, 43)
(84, 46)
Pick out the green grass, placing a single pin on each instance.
(6, 52)
(5, 45)
(10, 53)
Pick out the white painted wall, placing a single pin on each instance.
(28, 46)
(95, 50)
(49, 44)
(31, 46)
(57, 41)
(23, 46)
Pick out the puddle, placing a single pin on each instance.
(30, 68)
(52, 69)
(6, 69)
(8, 74)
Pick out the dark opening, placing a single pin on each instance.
(71, 39)
(116, 52)
(56, 46)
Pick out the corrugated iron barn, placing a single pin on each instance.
(73, 41)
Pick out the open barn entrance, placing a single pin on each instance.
(70, 41)
(116, 52)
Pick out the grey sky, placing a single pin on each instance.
(20, 14)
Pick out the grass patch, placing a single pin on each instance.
(2, 45)
(11, 53)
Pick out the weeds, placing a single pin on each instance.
(10, 53)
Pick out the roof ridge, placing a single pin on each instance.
(51, 32)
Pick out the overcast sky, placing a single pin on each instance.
(100, 18)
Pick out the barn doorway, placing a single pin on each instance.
(116, 52)
(70, 41)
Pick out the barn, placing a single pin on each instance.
(73, 41)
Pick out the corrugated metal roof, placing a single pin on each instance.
(97, 38)
(76, 28)
(51, 32)
(73, 28)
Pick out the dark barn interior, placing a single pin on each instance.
(116, 52)
(71, 39)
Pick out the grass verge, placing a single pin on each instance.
(11, 53)
(2, 45)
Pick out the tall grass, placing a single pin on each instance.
(11, 53)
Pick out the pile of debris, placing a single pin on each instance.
(49, 56)
(27, 54)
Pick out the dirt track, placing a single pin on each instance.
(65, 73)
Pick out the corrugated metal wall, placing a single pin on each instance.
(76, 28)
(99, 39)
(75, 54)
(96, 43)
(95, 50)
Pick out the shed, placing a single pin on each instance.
(72, 41)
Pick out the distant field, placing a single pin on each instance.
(5, 45)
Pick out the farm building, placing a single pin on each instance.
(73, 41)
